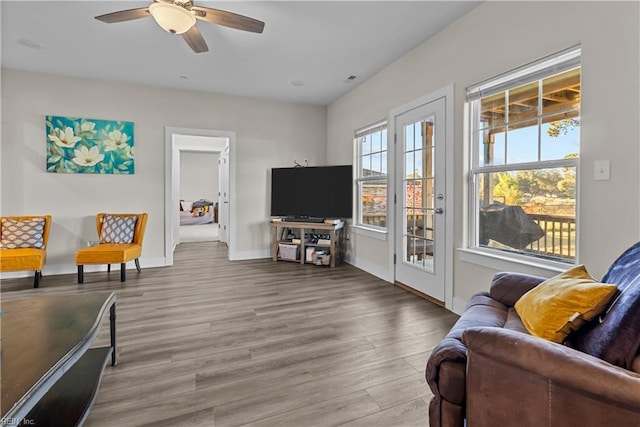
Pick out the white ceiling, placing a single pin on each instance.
(307, 50)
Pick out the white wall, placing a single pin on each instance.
(496, 37)
(269, 134)
(198, 176)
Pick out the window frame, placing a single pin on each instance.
(536, 71)
(378, 126)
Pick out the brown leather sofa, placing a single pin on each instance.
(515, 379)
(489, 371)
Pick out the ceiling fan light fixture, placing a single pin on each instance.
(172, 18)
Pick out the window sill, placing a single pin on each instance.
(502, 262)
(374, 233)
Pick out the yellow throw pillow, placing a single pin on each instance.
(563, 303)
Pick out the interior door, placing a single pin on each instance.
(420, 198)
(223, 196)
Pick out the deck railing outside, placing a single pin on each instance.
(379, 220)
(559, 240)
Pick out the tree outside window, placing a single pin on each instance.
(525, 149)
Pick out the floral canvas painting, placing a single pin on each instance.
(77, 145)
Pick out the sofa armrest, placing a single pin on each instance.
(536, 379)
(509, 287)
(448, 350)
(481, 311)
(445, 375)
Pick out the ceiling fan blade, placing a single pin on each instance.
(228, 19)
(124, 15)
(194, 39)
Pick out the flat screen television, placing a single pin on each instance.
(312, 192)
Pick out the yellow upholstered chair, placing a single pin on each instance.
(110, 250)
(24, 244)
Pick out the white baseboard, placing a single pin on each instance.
(373, 269)
(58, 269)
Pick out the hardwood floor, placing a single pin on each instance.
(258, 343)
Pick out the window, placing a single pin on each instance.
(525, 145)
(371, 178)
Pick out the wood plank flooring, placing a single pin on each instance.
(208, 342)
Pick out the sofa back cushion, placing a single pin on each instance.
(614, 336)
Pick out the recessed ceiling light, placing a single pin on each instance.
(184, 78)
(351, 77)
(29, 43)
(297, 83)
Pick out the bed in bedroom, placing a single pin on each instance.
(199, 212)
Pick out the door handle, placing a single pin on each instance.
(439, 211)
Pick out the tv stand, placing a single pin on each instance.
(280, 230)
(314, 220)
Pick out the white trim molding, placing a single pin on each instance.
(447, 93)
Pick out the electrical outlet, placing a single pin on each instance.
(601, 170)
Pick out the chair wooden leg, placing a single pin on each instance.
(123, 272)
(108, 268)
(81, 274)
(36, 279)
(137, 261)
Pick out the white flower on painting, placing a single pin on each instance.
(64, 138)
(115, 141)
(87, 127)
(86, 157)
(128, 151)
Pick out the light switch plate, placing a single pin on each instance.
(601, 170)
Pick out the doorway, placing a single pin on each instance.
(195, 140)
(423, 228)
(199, 191)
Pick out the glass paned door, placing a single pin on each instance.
(420, 216)
(418, 192)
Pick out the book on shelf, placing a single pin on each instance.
(298, 241)
(324, 241)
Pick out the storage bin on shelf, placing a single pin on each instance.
(310, 253)
(288, 251)
(318, 256)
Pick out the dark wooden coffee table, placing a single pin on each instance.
(50, 375)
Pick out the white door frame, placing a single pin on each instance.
(223, 195)
(172, 181)
(447, 93)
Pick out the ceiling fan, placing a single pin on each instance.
(179, 17)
